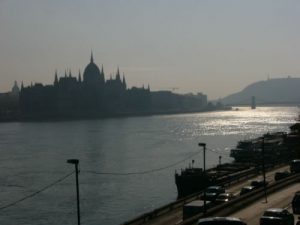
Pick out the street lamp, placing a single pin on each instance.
(203, 145)
(263, 167)
(76, 162)
(204, 149)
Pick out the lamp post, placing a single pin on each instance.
(76, 162)
(263, 168)
(203, 145)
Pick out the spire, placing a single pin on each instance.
(70, 74)
(65, 73)
(102, 70)
(118, 75)
(55, 78)
(79, 77)
(92, 58)
(148, 87)
(124, 82)
(22, 85)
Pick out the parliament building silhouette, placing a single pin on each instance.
(93, 96)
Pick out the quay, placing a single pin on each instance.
(172, 213)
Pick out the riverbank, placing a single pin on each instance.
(18, 117)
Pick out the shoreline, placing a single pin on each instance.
(107, 116)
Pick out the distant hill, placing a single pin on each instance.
(272, 91)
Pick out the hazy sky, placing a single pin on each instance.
(215, 47)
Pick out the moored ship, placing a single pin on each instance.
(193, 180)
(272, 146)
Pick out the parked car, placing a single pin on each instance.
(246, 189)
(296, 203)
(295, 166)
(221, 221)
(212, 192)
(193, 208)
(277, 216)
(281, 175)
(258, 183)
(224, 197)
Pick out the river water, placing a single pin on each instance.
(33, 155)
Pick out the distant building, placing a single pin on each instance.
(9, 104)
(91, 96)
(168, 101)
(203, 98)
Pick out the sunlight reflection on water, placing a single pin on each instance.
(34, 154)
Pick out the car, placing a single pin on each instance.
(277, 216)
(295, 166)
(224, 197)
(272, 221)
(296, 203)
(221, 221)
(258, 183)
(246, 189)
(212, 192)
(281, 175)
(194, 207)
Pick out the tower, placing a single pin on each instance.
(55, 79)
(124, 82)
(102, 76)
(118, 78)
(102, 70)
(79, 77)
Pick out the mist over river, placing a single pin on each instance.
(33, 155)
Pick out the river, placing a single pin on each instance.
(33, 155)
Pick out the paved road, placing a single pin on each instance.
(281, 199)
(175, 216)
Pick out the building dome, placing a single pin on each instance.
(91, 74)
(15, 89)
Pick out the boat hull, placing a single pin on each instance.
(190, 184)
